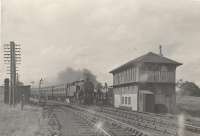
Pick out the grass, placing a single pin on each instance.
(189, 105)
(14, 122)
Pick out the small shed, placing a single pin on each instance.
(23, 90)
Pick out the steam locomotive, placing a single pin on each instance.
(79, 92)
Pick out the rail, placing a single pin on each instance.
(136, 121)
(111, 124)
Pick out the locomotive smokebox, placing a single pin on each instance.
(88, 87)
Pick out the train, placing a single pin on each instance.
(77, 92)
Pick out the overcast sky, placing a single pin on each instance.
(100, 34)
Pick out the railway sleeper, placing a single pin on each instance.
(193, 129)
(116, 122)
(134, 123)
(156, 127)
(144, 123)
(144, 117)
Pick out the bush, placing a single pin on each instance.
(188, 88)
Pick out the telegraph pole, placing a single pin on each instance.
(12, 57)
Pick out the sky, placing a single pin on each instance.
(99, 35)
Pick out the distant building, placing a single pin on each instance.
(23, 90)
(146, 84)
(1, 93)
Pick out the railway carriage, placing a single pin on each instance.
(79, 92)
(59, 92)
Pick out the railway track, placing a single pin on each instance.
(118, 122)
(164, 124)
(75, 124)
(138, 122)
(106, 125)
(159, 126)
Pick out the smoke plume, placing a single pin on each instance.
(70, 75)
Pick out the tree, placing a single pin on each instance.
(188, 88)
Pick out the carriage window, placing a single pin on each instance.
(125, 100)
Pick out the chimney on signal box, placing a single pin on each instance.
(160, 48)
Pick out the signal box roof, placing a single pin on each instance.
(148, 58)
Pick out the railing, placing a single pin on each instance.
(157, 76)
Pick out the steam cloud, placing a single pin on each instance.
(70, 75)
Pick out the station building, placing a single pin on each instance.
(146, 84)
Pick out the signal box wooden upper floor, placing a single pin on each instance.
(149, 68)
